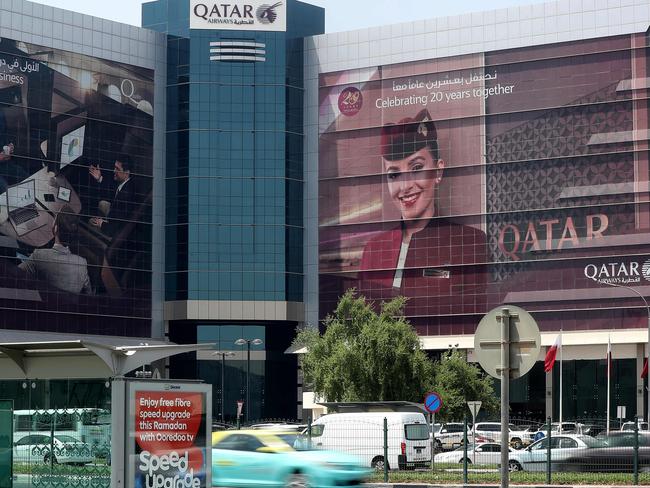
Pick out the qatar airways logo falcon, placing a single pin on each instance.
(267, 14)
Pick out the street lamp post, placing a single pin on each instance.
(248, 342)
(647, 307)
(224, 355)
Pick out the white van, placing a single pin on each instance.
(362, 435)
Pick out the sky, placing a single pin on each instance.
(340, 15)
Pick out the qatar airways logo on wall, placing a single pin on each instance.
(252, 15)
(619, 273)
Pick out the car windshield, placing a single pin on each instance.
(416, 432)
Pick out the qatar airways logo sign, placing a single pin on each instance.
(251, 15)
(619, 273)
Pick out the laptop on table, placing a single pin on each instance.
(21, 206)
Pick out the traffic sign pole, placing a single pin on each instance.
(505, 395)
(433, 404)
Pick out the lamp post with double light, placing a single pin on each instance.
(248, 342)
(223, 355)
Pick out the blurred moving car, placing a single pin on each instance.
(615, 454)
(41, 448)
(479, 454)
(244, 458)
(563, 447)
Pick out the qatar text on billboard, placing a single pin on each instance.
(76, 139)
(469, 181)
(251, 15)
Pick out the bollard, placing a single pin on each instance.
(636, 450)
(465, 452)
(548, 451)
(385, 450)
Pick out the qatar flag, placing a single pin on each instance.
(549, 360)
(644, 372)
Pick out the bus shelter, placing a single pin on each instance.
(56, 404)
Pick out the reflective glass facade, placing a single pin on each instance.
(234, 199)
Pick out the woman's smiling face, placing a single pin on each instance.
(412, 183)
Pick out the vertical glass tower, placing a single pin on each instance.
(234, 193)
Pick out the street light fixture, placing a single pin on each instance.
(248, 342)
(224, 355)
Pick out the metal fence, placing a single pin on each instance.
(61, 448)
(575, 452)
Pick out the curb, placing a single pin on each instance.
(492, 485)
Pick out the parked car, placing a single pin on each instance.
(567, 428)
(479, 454)
(279, 426)
(450, 435)
(563, 447)
(630, 425)
(41, 448)
(361, 434)
(253, 457)
(492, 431)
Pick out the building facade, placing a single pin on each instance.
(225, 172)
(234, 191)
(492, 158)
(80, 255)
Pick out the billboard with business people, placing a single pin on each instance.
(76, 137)
(518, 176)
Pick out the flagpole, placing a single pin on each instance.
(608, 379)
(561, 389)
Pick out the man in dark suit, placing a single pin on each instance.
(120, 196)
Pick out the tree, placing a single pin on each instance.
(457, 382)
(364, 355)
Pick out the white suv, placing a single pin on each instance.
(450, 435)
(492, 430)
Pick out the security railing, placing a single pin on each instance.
(62, 448)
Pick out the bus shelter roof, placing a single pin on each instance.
(61, 356)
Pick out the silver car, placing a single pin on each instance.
(564, 446)
(37, 448)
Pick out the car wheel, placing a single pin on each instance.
(297, 480)
(46, 459)
(378, 464)
(469, 461)
(438, 445)
(514, 466)
(517, 444)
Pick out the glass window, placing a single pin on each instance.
(416, 432)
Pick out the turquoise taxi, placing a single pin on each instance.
(265, 458)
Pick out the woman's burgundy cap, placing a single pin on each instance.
(408, 136)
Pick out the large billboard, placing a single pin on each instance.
(76, 139)
(516, 176)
